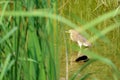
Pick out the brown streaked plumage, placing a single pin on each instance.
(77, 37)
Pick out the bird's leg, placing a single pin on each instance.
(80, 50)
(79, 54)
(80, 45)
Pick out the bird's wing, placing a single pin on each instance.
(82, 39)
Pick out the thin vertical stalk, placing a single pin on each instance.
(17, 51)
(65, 42)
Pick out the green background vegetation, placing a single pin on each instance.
(34, 45)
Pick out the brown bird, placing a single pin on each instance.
(77, 37)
